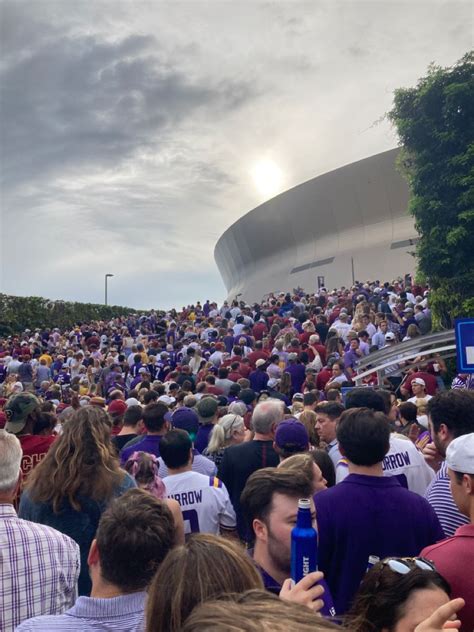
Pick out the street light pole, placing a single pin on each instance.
(106, 279)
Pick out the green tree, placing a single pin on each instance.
(435, 124)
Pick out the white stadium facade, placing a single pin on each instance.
(350, 223)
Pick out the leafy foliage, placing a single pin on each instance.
(435, 124)
(18, 313)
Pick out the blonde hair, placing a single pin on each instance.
(206, 567)
(308, 418)
(299, 463)
(222, 432)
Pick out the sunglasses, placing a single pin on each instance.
(403, 565)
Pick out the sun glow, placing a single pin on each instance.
(268, 178)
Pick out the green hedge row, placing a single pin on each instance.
(18, 313)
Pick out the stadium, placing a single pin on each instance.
(351, 223)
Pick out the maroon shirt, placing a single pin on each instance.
(454, 560)
(430, 381)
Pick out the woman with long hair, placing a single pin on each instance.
(206, 567)
(334, 348)
(412, 332)
(229, 430)
(75, 481)
(308, 418)
(397, 594)
(285, 387)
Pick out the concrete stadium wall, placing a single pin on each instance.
(357, 213)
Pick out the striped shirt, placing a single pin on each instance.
(440, 498)
(39, 568)
(117, 614)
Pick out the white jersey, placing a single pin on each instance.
(404, 461)
(204, 501)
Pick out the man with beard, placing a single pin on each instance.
(450, 415)
(270, 504)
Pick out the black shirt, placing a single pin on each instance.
(120, 440)
(238, 463)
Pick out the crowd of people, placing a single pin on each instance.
(151, 468)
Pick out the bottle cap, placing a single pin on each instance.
(304, 503)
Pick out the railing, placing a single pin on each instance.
(442, 343)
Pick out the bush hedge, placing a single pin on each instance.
(18, 313)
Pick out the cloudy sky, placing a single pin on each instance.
(134, 133)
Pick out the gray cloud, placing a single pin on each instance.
(82, 101)
(129, 130)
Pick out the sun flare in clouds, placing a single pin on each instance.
(268, 178)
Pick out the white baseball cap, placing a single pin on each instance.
(460, 454)
(167, 399)
(389, 336)
(419, 380)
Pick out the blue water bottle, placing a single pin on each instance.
(304, 552)
(304, 543)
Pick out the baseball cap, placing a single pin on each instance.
(389, 336)
(17, 409)
(260, 362)
(247, 395)
(117, 407)
(97, 401)
(207, 407)
(460, 454)
(291, 432)
(419, 381)
(298, 397)
(132, 401)
(186, 419)
(142, 370)
(166, 399)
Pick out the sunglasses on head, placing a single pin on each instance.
(403, 565)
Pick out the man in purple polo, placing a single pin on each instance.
(367, 513)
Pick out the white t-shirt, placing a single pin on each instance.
(420, 402)
(403, 460)
(342, 329)
(204, 501)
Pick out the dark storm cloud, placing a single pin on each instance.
(79, 100)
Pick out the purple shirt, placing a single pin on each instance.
(368, 515)
(274, 587)
(149, 443)
(258, 380)
(202, 437)
(351, 359)
(298, 376)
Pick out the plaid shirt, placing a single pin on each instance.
(39, 568)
